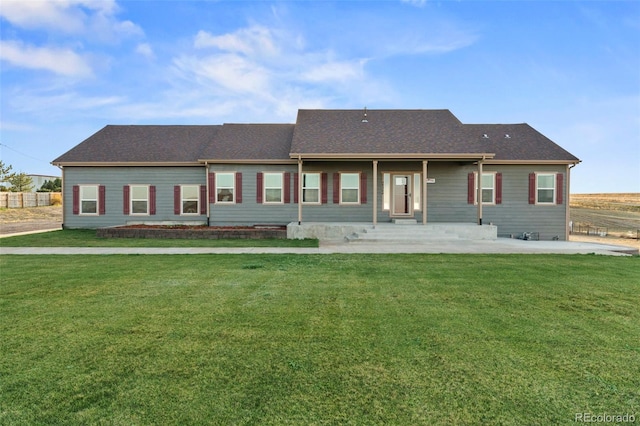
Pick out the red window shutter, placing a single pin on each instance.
(324, 183)
(259, 186)
(471, 188)
(296, 187)
(102, 200)
(336, 188)
(212, 188)
(287, 187)
(176, 199)
(363, 188)
(125, 199)
(559, 188)
(76, 199)
(532, 188)
(203, 199)
(239, 188)
(498, 188)
(152, 200)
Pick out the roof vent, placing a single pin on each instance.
(485, 136)
(364, 116)
(507, 136)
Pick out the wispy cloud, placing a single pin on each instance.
(60, 61)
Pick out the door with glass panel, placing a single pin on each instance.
(401, 195)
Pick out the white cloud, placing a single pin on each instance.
(340, 71)
(94, 19)
(57, 60)
(145, 50)
(255, 40)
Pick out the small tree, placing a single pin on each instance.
(20, 182)
(51, 186)
(5, 176)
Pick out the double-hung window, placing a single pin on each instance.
(225, 187)
(349, 188)
(139, 199)
(488, 185)
(311, 188)
(89, 199)
(545, 188)
(190, 199)
(273, 188)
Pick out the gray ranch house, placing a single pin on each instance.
(330, 167)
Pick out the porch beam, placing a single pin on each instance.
(375, 192)
(299, 189)
(479, 191)
(424, 192)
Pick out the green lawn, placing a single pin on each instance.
(88, 238)
(318, 339)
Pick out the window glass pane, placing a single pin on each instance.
(487, 180)
(225, 195)
(89, 207)
(139, 207)
(272, 180)
(545, 195)
(350, 180)
(386, 191)
(545, 181)
(139, 192)
(349, 195)
(487, 195)
(310, 195)
(189, 207)
(190, 192)
(311, 180)
(273, 195)
(417, 192)
(89, 192)
(224, 180)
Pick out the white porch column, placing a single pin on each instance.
(375, 192)
(424, 192)
(299, 189)
(479, 193)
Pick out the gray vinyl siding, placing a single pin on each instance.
(114, 178)
(249, 212)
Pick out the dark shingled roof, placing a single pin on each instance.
(251, 142)
(316, 133)
(516, 142)
(171, 144)
(385, 132)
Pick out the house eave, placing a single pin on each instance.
(126, 163)
(530, 162)
(393, 156)
(246, 161)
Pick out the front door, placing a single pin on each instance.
(402, 205)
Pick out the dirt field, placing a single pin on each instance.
(30, 219)
(617, 216)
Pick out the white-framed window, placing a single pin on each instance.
(139, 199)
(225, 187)
(545, 188)
(488, 183)
(417, 192)
(190, 199)
(273, 188)
(89, 199)
(311, 188)
(349, 188)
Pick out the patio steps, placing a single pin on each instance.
(417, 233)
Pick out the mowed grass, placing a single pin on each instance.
(88, 238)
(318, 339)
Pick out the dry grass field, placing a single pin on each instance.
(609, 218)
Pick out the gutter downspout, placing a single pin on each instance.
(299, 189)
(568, 198)
(375, 193)
(206, 176)
(62, 190)
(479, 191)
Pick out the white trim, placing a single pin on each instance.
(479, 182)
(182, 200)
(232, 187)
(555, 189)
(301, 183)
(264, 187)
(350, 203)
(81, 198)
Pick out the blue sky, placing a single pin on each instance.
(570, 69)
